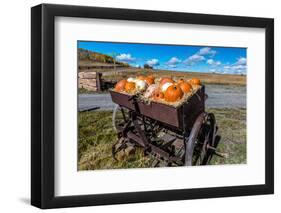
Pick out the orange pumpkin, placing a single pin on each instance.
(120, 85)
(166, 80)
(195, 81)
(158, 95)
(173, 93)
(149, 80)
(181, 81)
(151, 76)
(130, 87)
(185, 87)
(141, 77)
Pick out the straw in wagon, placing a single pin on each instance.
(163, 90)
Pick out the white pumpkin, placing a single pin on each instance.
(140, 85)
(165, 86)
(150, 90)
(131, 79)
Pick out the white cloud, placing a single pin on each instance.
(236, 67)
(239, 67)
(125, 57)
(173, 61)
(172, 65)
(194, 59)
(200, 56)
(153, 62)
(206, 51)
(210, 61)
(241, 61)
(213, 62)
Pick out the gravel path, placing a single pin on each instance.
(220, 96)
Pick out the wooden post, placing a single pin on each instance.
(99, 81)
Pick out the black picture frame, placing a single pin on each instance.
(43, 102)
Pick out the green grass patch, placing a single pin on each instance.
(96, 137)
(232, 128)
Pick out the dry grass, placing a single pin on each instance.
(206, 78)
(232, 128)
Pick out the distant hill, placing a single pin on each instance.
(90, 57)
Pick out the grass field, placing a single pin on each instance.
(207, 78)
(96, 137)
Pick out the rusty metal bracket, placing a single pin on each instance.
(139, 130)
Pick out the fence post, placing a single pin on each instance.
(99, 81)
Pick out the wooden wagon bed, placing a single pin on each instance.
(181, 117)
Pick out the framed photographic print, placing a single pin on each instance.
(139, 106)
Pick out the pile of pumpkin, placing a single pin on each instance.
(165, 90)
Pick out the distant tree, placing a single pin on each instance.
(146, 66)
(125, 64)
(91, 56)
(114, 55)
(99, 58)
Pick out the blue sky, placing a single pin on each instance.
(226, 60)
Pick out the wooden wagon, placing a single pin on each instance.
(183, 135)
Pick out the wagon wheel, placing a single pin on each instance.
(202, 140)
(206, 141)
(120, 117)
